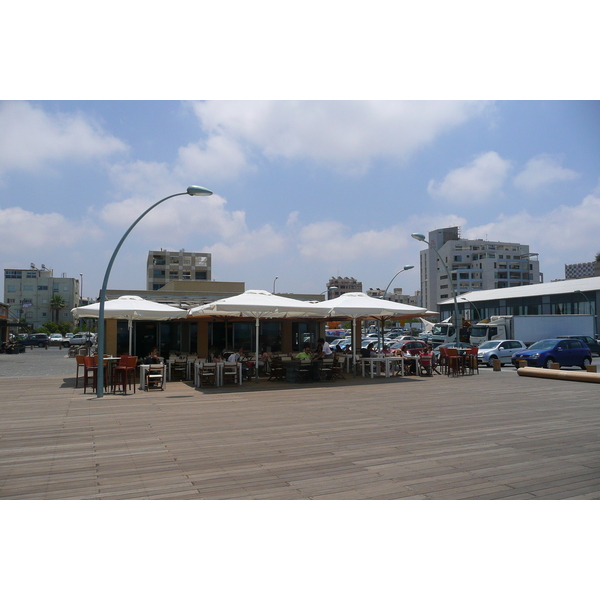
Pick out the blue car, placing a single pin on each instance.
(566, 352)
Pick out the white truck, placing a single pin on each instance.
(530, 328)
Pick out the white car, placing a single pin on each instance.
(502, 350)
(82, 338)
(56, 339)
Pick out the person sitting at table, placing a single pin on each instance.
(368, 351)
(153, 358)
(305, 355)
(263, 358)
(386, 350)
(323, 350)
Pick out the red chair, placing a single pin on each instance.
(80, 365)
(426, 364)
(124, 372)
(471, 361)
(456, 363)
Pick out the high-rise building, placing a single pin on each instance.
(164, 266)
(473, 265)
(342, 285)
(29, 293)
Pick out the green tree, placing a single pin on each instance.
(56, 303)
(598, 257)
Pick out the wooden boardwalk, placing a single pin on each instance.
(487, 436)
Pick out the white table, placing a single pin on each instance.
(387, 362)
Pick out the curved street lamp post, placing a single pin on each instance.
(421, 238)
(474, 307)
(405, 268)
(193, 190)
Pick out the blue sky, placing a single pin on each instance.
(303, 190)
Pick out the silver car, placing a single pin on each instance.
(502, 350)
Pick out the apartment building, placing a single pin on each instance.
(29, 292)
(164, 266)
(474, 265)
(342, 285)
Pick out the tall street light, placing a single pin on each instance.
(421, 238)
(405, 268)
(477, 311)
(274, 280)
(193, 190)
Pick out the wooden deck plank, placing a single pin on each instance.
(494, 435)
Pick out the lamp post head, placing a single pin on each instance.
(418, 236)
(196, 190)
(577, 292)
(407, 267)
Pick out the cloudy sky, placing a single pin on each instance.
(303, 190)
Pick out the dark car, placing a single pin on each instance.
(565, 352)
(590, 342)
(36, 339)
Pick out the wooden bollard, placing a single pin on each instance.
(591, 369)
(497, 365)
(555, 365)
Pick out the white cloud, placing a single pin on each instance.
(478, 181)
(32, 138)
(563, 235)
(23, 230)
(249, 247)
(344, 134)
(219, 157)
(541, 170)
(203, 221)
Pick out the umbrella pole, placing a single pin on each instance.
(354, 344)
(256, 356)
(130, 327)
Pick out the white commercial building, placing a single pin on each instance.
(29, 293)
(473, 265)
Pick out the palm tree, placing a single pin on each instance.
(56, 303)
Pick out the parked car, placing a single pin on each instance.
(590, 342)
(501, 350)
(409, 346)
(36, 339)
(56, 339)
(83, 337)
(566, 352)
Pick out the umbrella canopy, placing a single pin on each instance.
(355, 305)
(259, 304)
(132, 308)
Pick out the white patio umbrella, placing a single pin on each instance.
(259, 304)
(355, 305)
(132, 308)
